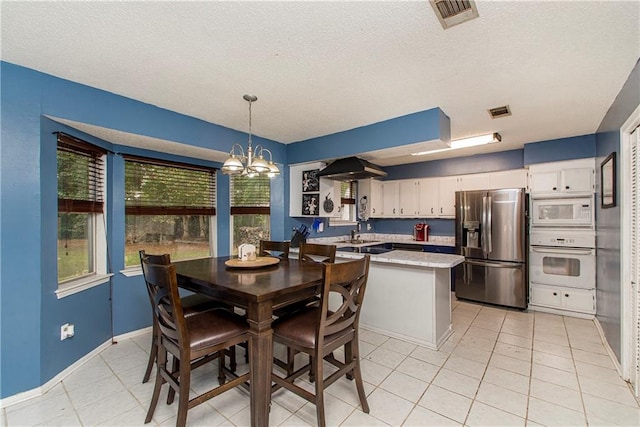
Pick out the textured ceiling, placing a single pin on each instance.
(323, 67)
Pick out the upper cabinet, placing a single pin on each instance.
(369, 199)
(515, 178)
(390, 199)
(409, 197)
(310, 195)
(557, 178)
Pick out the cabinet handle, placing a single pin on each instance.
(566, 295)
(431, 210)
(555, 188)
(440, 210)
(555, 294)
(566, 187)
(401, 210)
(394, 210)
(374, 210)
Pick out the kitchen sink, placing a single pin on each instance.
(374, 250)
(359, 241)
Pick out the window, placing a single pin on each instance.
(168, 209)
(347, 205)
(81, 234)
(250, 209)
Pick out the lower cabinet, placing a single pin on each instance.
(563, 298)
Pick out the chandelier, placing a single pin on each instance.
(247, 162)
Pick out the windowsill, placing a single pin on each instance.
(341, 222)
(132, 271)
(74, 286)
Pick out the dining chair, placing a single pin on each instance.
(320, 330)
(192, 304)
(315, 252)
(274, 248)
(190, 340)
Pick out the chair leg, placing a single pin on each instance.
(162, 363)
(175, 366)
(233, 365)
(357, 373)
(312, 370)
(221, 376)
(348, 356)
(291, 356)
(319, 383)
(153, 353)
(183, 394)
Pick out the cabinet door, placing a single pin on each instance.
(548, 296)
(376, 199)
(577, 180)
(516, 178)
(329, 198)
(545, 182)
(408, 198)
(578, 300)
(447, 188)
(390, 199)
(428, 202)
(478, 181)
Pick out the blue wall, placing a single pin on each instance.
(555, 150)
(30, 313)
(608, 220)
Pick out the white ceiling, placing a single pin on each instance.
(324, 67)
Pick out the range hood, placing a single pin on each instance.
(351, 169)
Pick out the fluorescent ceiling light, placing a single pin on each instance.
(466, 142)
(476, 140)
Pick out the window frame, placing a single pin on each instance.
(97, 235)
(160, 210)
(261, 206)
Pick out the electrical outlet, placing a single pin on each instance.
(67, 331)
(368, 227)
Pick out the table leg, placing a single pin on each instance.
(261, 358)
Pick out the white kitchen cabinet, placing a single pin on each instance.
(478, 181)
(409, 197)
(330, 202)
(557, 178)
(429, 202)
(447, 187)
(369, 198)
(515, 178)
(390, 199)
(562, 298)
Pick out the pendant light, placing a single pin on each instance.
(240, 164)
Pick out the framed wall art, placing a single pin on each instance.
(310, 204)
(608, 181)
(310, 180)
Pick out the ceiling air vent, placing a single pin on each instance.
(454, 12)
(498, 112)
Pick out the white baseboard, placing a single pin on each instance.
(533, 307)
(39, 391)
(607, 347)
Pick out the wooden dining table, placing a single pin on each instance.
(259, 291)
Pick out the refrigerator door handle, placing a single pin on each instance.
(488, 226)
(495, 264)
(483, 227)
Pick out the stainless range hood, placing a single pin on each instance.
(351, 169)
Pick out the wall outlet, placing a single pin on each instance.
(67, 331)
(368, 227)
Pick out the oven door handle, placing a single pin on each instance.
(562, 250)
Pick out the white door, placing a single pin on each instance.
(635, 253)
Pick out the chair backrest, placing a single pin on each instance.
(270, 247)
(167, 306)
(164, 259)
(349, 281)
(323, 253)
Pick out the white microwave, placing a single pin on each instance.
(562, 212)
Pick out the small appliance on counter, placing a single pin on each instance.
(421, 232)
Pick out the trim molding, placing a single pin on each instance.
(607, 347)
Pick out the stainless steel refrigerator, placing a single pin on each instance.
(491, 233)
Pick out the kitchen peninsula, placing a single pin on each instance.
(408, 294)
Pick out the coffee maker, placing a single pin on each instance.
(421, 232)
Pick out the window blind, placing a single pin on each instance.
(250, 195)
(80, 175)
(348, 193)
(157, 187)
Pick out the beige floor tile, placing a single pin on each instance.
(372, 337)
(388, 407)
(502, 398)
(456, 382)
(40, 409)
(405, 386)
(335, 410)
(598, 372)
(555, 376)
(620, 393)
(614, 412)
(555, 349)
(295, 421)
(398, 346)
(507, 379)
(418, 369)
(548, 414)
(551, 338)
(553, 361)
(515, 340)
(372, 372)
(466, 366)
(360, 419)
(593, 358)
(421, 417)
(513, 351)
(485, 415)
(556, 394)
(518, 330)
(510, 364)
(488, 334)
(446, 403)
(472, 353)
(593, 347)
(430, 356)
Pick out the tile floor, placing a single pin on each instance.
(501, 367)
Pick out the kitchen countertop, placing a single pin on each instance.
(418, 259)
(376, 238)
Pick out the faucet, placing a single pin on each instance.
(353, 235)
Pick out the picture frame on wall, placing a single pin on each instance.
(310, 181)
(608, 181)
(311, 204)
